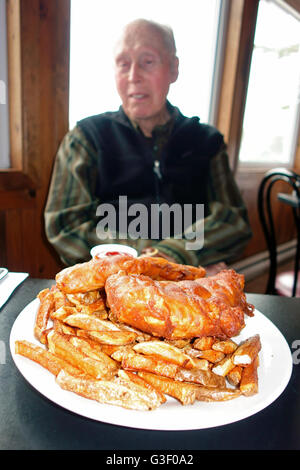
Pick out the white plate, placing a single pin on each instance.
(274, 373)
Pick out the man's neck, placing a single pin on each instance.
(147, 125)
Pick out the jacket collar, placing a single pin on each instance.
(176, 117)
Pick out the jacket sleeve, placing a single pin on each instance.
(226, 229)
(70, 212)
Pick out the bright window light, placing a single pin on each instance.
(272, 108)
(95, 26)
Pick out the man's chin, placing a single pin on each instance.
(140, 111)
(146, 117)
(137, 115)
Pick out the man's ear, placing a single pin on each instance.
(174, 69)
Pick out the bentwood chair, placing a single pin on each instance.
(283, 283)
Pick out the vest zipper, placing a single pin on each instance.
(156, 169)
(158, 178)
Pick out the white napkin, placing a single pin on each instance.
(8, 284)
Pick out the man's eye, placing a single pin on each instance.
(123, 65)
(148, 62)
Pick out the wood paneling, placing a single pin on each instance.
(38, 32)
(3, 261)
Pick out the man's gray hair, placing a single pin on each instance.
(165, 32)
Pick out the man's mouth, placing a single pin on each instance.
(138, 96)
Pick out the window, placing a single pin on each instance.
(94, 29)
(4, 127)
(271, 118)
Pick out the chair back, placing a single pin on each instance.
(267, 221)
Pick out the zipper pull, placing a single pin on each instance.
(156, 169)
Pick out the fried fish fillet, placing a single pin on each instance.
(212, 306)
(92, 275)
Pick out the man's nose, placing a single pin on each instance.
(134, 72)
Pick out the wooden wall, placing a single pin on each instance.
(283, 217)
(38, 33)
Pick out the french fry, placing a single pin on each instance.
(60, 299)
(204, 343)
(202, 364)
(92, 302)
(44, 336)
(140, 335)
(164, 351)
(63, 312)
(183, 392)
(217, 394)
(42, 317)
(95, 346)
(61, 327)
(203, 377)
(95, 310)
(90, 322)
(60, 346)
(127, 375)
(109, 349)
(226, 347)
(134, 361)
(247, 351)
(108, 364)
(210, 355)
(235, 375)
(42, 294)
(179, 343)
(45, 358)
(120, 351)
(223, 367)
(249, 379)
(117, 338)
(114, 392)
(87, 298)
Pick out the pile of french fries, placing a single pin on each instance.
(94, 356)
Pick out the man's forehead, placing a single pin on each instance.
(140, 37)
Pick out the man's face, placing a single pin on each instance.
(144, 71)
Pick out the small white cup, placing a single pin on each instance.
(101, 250)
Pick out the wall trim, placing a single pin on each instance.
(258, 264)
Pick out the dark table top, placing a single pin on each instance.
(29, 421)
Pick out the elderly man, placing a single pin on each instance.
(150, 153)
